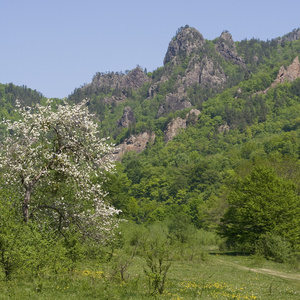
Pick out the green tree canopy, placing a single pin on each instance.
(260, 203)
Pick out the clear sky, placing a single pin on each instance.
(55, 46)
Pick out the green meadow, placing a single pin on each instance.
(174, 272)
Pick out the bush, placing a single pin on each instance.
(273, 247)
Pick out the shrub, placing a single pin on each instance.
(273, 247)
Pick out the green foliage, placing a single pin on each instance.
(157, 255)
(273, 246)
(262, 203)
(180, 228)
(177, 189)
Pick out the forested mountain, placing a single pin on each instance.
(213, 111)
(189, 130)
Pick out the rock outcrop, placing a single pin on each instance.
(136, 143)
(211, 75)
(133, 80)
(187, 41)
(174, 102)
(223, 128)
(292, 36)
(117, 83)
(291, 73)
(114, 99)
(127, 117)
(177, 124)
(173, 128)
(226, 47)
(201, 70)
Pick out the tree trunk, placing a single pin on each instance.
(26, 205)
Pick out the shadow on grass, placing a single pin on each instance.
(230, 253)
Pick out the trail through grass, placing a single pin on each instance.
(292, 276)
(218, 277)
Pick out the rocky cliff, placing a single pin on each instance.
(187, 41)
(177, 124)
(226, 47)
(291, 73)
(292, 36)
(136, 143)
(202, 69)
(194, 70)
(133, 80)
(127, 117)
(117, 83)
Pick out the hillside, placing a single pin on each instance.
(204, 178)
(244, 101)
(213, 111)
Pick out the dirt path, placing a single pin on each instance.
(265, 271)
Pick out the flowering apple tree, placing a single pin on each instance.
(57, 162)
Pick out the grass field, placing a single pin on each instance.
(217, 277)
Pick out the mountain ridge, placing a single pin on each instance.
(173, 161)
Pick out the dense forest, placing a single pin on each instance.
(210, 142)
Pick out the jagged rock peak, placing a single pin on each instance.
(227, 37)
(291, 73)
(176, 124)
(188, 40)
(136, 143)
(226, 47)
(134, 79)
(292, 36)
(127, 117)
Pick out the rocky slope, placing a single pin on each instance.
(177, 124)
(291, 73)
(190, 52)
(136, 143)
(116, 85)
(134, 80)
(202, 69)
(226, 47)
(292, 36)
(139, 142)
(187, 41)
(194, 68)
(127, 117)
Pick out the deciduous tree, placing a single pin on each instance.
(56, 160)
(261, 203)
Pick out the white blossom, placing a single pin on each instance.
(64, 141)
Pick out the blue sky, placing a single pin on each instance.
(54, 46)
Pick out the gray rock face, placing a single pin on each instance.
(292, 36)
(193, 72)
(118, 82)
(188, 41)
(116, 99)
(134, 79)
(136, 143)
(226, 47)
(174, 102)
(291, 73)
(177, 124)
(201, 70)
(127, 117)
(211, 75)
(173, 128)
